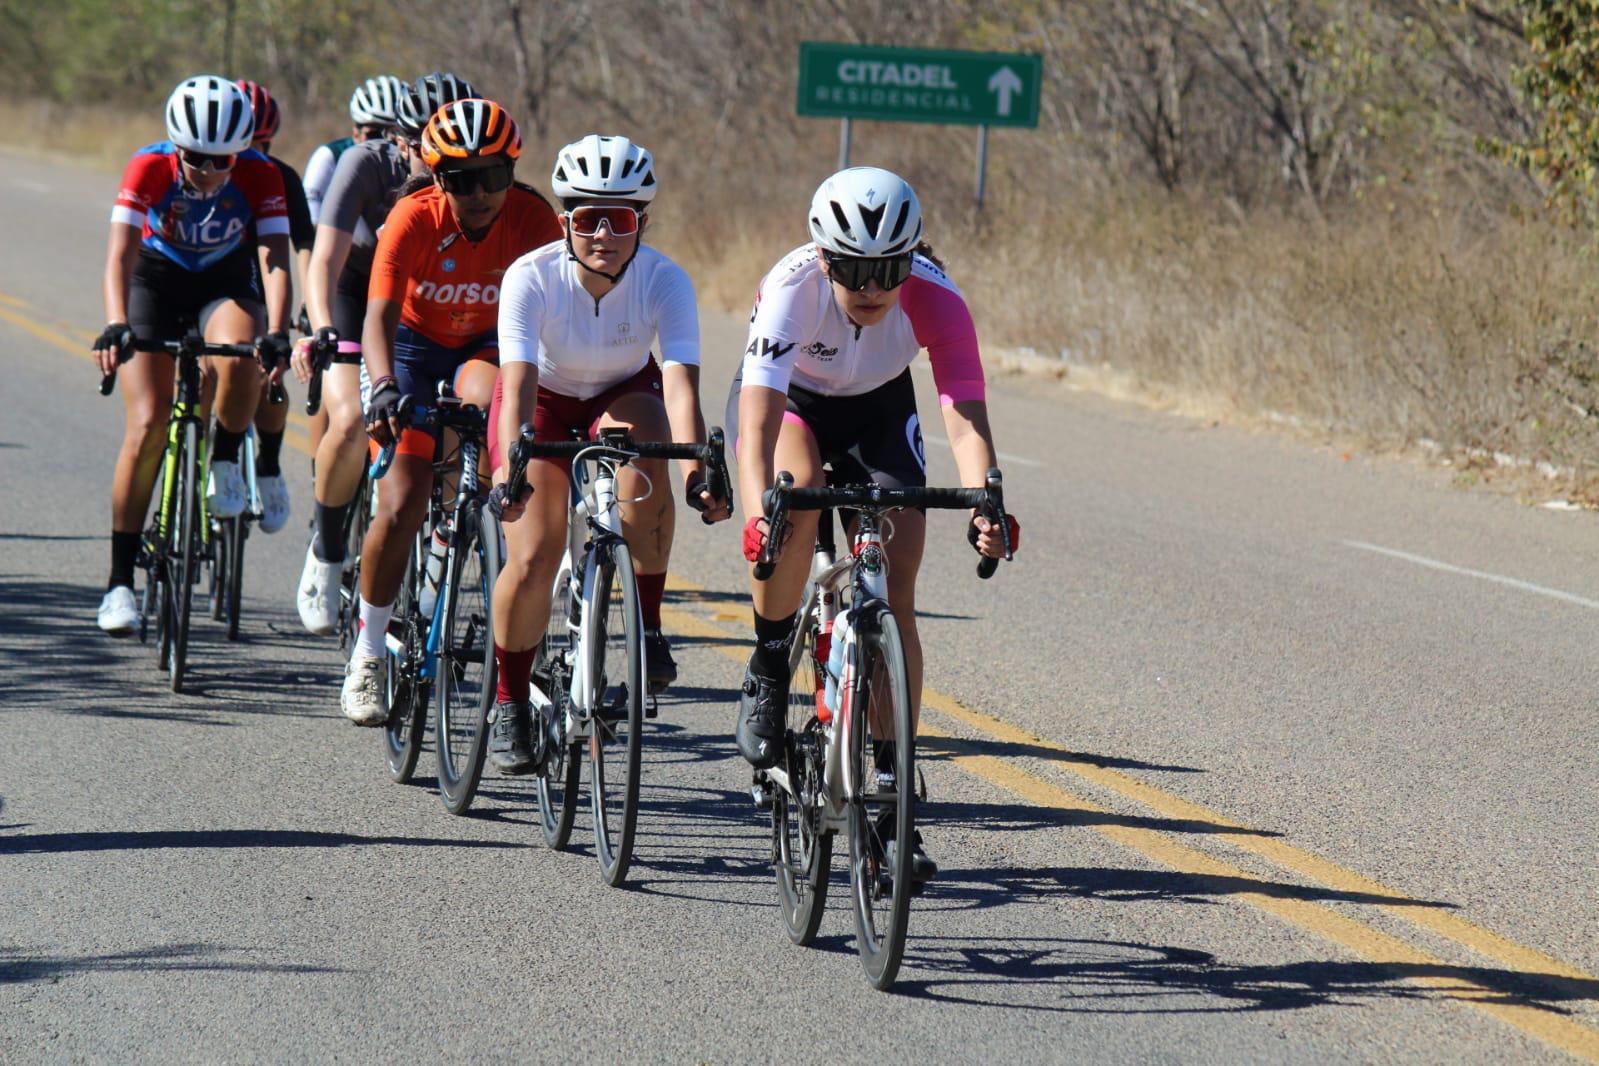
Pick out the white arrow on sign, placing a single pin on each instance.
(1006, 84)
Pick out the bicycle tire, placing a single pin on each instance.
(804, 848)
(407, 722)
(616, 732)
(356, 521)
(218, 568)
(235, 532)
(881, 894)
(558, 780)
(184, 552)
(465, 674)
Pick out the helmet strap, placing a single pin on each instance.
(612, 278)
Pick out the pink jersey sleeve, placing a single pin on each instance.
(943, 326)
(144, 183)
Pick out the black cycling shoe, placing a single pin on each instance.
(659, 666)
(762, 705)
(511, 738)
(923, 868)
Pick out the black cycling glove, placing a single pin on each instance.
(384, 403)
(275, 349)
(500, 498)
(116, 335)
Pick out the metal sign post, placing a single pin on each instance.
(843, 143)
(982, 163)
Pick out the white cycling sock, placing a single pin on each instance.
(374, 625)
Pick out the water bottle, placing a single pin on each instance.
(428, 594)
(835, 660)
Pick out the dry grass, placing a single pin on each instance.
(1392, 323)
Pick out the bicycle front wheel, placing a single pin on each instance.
(613, 634)
(557, 781)
(465, 666)
(403, 689)
(183, 553)
(804, 848)
(882, 811)
(231, 547)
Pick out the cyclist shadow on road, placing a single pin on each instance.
(59, 661)
(1084, 976)
(18, 966)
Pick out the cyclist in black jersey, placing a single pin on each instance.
(271, 419)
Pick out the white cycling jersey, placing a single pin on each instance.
(583, 346)
(798, 333)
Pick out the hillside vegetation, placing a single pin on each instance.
(1375, 217)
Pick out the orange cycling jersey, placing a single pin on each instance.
(448, 287)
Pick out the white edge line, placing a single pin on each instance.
(1434, 564)
(1021, 460)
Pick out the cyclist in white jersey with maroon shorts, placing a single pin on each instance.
(577, 318)
(826, 380)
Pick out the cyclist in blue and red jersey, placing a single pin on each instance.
(180, 248)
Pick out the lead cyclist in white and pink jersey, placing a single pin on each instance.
(826, 380)
(577, 320)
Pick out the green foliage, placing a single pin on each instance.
(1560, 84)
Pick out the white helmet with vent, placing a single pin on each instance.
(210, 114)
(866, 211)
(604, 168)
(376, 101)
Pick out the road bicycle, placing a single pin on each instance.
(444, 651)
(588, 687)
(849, 758)
(179, 538)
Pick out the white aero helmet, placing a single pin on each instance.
(376, 101)
(424, 96)
(210, 114)
(866, 211)
(604, 168)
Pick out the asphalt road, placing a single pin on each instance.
(1256, 753)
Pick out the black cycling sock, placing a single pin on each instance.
(269, 447)
(328, 543)
(883, 757)
(124, 556)
(225, 445)
(771, 645)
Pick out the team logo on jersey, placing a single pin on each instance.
(913, 437)
(624, 327)
(227, 203)
(818, 350)
(766, 349)
(457, 294)
(448, 266)
(461, 321)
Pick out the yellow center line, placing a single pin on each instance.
(1553, 1028)
(1541, 1022)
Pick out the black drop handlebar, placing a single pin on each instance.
(783, 497)
(193, 346)
(619, 443)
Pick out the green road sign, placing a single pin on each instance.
(919, 84)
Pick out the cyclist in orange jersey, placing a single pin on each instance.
(431, 316)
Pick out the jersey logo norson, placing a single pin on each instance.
(462, 293)
(773, 350)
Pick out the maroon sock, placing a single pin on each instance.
(516, 669)
(651, 589)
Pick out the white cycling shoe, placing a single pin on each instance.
(119, 612)
(274, 503)
(318, 597)
(225, 492)
(362, 699)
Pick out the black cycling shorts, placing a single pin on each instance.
(165, 299)
(349, 313)
(874, 437)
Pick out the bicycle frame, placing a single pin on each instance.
(865, 574)
(185, 409)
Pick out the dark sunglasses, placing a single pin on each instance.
(467, 182)
(621, 221)
(373, 133)
(201, 161)
(855, 274)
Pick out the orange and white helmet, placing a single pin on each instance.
(470, 129)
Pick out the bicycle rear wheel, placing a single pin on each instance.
(404, 689)
(804, 848)
(465, 666)
(614, 636)
(358, 518)
(183, 551)
(881, 811)
(219, 563)
(557, 781)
